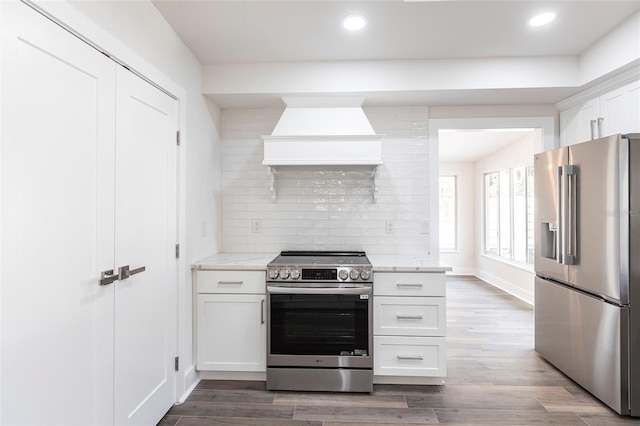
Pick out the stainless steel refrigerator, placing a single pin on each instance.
(587, 262)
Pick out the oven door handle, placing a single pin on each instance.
(319, 290)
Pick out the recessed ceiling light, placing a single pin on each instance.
(542, 19)
(354, 22)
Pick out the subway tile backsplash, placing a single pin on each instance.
(326, 208)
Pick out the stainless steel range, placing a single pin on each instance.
(320, 322)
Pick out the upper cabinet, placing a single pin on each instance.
(616, 111)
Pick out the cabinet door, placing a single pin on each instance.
(620, 110)
(576, 123)
(145, 235)
(58, 105)
(231, 332)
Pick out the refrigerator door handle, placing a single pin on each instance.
(559, 215)
(569, 215)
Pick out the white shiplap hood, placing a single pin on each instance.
(323, 131)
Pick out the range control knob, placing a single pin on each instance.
(273, 274)
(343, 274)
(354, 274)
(284, 274)
(295, 274)
(365, 274)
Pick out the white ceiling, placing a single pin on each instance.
(233, 31)
(472, 145)
(290, 32)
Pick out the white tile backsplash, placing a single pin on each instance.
(326, 208)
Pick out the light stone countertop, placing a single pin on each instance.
(380, 262)
(406, 263)
(234, 262)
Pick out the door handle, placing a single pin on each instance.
(416, 357)
(569, 206)
(600, 120)
(559, 214)
(410, 317)
(124, 272)
(262, 311)
(107, 277)
(593, 129)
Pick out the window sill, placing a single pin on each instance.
(523, 266)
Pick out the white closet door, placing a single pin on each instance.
(57, 154)
(145, 307)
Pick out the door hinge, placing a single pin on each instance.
(178, 138)
(177, 363)
(177, 251)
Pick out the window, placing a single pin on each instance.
(448, 213)
(508, 226)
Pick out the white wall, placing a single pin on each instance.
(509, 276)
(326, 209)
(136, 33)
(463, 259)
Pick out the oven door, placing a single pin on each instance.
(321, 326)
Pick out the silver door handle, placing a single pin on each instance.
(409, 284)
(413, 317)
(416, 357)
(568, 212)
(570, 255)
(124, 272)
(107, 277)
(600, 120)
(230, 282)
(319, 290)
(262, 311)
(559, 214)
(593, 129)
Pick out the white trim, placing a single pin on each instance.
(545, 123)
(519, 265)
(191, 377)
(599, 89)
(506, 286)
(461, 271)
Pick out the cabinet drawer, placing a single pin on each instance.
(409, 316)
(409, 284)
(410, 356)
(231, 282)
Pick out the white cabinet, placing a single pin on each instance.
(231, 322)
(617, 111)
(409, 327)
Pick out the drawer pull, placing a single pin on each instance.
(409, 317)
(409, 284)
(230, 282)
(415, 357)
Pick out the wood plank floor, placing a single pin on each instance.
(494, 378)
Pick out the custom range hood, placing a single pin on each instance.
(316, 131)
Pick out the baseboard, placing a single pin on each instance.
(191, 380)
(506, 286)
(462, 270)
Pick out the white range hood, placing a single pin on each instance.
(316, 131)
